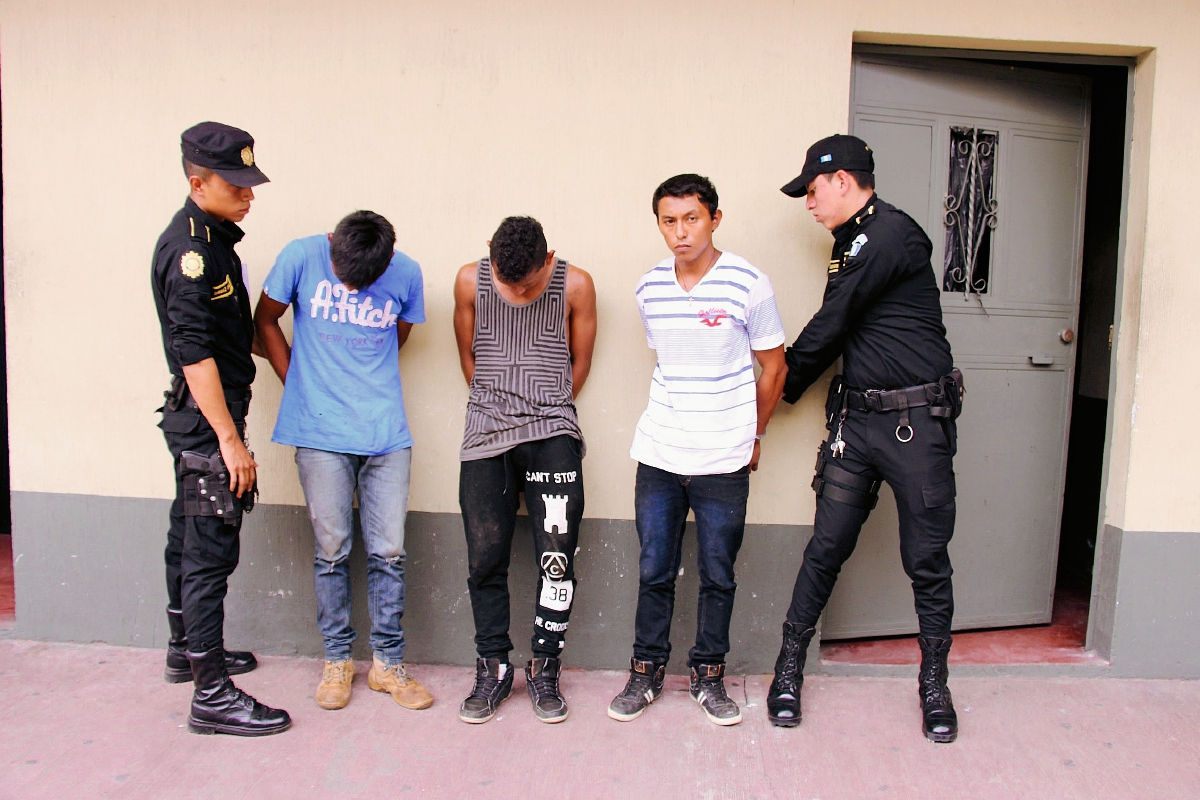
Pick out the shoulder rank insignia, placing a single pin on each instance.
(834, 266)
(191, 264)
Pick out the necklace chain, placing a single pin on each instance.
(711, 262)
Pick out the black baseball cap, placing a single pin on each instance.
(226, 150)
(829, 155)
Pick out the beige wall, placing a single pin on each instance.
(447, 117)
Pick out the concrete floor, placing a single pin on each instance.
(98, 721)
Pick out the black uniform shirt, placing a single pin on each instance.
(881, 311)
(202, 302)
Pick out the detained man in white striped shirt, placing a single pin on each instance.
(709, 315)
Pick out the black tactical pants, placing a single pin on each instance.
(202, 551)
(550, 473)
(921, 475)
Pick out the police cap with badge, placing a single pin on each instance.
(829, 155)
(226, 150)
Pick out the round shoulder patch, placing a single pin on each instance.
(191, 264)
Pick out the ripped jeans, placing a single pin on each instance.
(329, 481)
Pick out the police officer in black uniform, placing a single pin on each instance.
(890, 414)
(208, 332)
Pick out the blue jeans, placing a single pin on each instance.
(661, 503)
(329, 481)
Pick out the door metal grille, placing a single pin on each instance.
(970, 211)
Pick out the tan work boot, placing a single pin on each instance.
(334, 690)
(395, 680)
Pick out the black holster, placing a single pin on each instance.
(951, 391)
(175, 398)
(206, 485)
(842, 485)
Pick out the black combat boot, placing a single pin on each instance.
(541, 679)
(220, 707)
(783, 698)
(940, 721)
(493, 683)
(643, 688)
(180, 671)
(708, 689)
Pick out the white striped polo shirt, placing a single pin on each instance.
(702, 414)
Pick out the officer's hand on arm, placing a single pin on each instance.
(581, 325)
(269, 336)
(204, 382)
(464, 318)
(770, 389)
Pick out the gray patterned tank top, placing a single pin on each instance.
(521, 390)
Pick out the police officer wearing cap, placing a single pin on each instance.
(890, 416)
(208, 332)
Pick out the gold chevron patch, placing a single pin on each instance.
(223, 289)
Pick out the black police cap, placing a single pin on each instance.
(226, 150)
(829, 155)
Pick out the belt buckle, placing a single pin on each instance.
(874, 399)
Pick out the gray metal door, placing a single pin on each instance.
(1020, 135)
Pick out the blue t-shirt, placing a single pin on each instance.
(343, 390)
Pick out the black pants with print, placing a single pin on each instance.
(921, 474)
(550, 473)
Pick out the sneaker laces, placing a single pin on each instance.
(714, 688)
(485, 684)
(637, 686)
(544, 686)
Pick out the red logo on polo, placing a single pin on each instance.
(712, 316)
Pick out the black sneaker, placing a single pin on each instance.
(708, 689)
(541, 679)
(493, 683)
(644, 686)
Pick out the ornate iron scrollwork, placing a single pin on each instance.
(970, 213)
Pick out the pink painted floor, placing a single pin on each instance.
(97, 721)
(8, 608)
(1060, 642)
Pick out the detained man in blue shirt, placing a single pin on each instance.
(354, 300)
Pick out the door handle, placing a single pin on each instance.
(1041, 360)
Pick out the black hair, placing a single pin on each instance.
(361, 248)
(190, 170)
(518, 248)
(687, 185)
(865, 180)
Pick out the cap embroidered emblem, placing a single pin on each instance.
(825, 159)
(191, 264)
(247, 156)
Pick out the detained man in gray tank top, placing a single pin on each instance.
(525, 322)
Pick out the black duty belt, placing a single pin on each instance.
(178, 396)
(879, 400)
(927, 394)
(238, 401)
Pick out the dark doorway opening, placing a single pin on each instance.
(7, 600)
(1063, 640)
